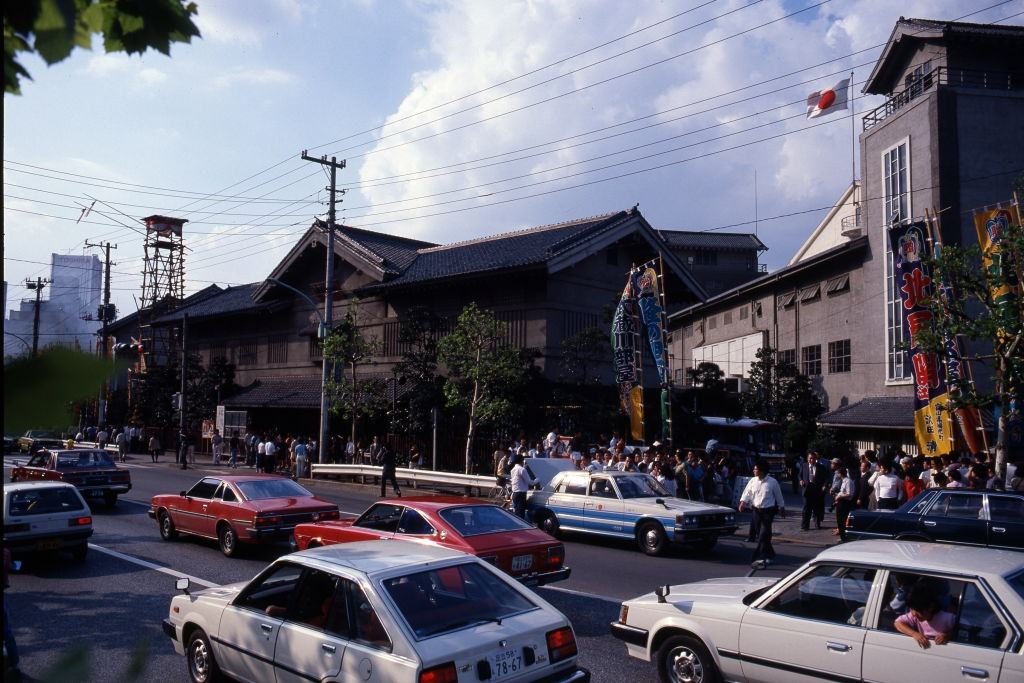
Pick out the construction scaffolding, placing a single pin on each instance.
(163, 287)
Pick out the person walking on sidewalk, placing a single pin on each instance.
(121, 440)
(386, 460)
(763, 496)
(845, 498)
(218, 442)
(522, 479)
(301, 458)
(814, 480)
(154, 448)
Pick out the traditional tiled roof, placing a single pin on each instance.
(961, 27)
(503, 251)
(887, 412)
(132, 319)
(396, 253)
(236, 299)
(279, 392)
(718, 241)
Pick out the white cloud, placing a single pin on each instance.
(150, 76)
(234, 22)
(118, 65)
(243, 76)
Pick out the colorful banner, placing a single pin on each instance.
(932, 426)
(650, 306)
(625, 333)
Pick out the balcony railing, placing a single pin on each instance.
(957, 78)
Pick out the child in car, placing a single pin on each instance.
(925, 619)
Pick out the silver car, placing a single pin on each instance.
(834, 619)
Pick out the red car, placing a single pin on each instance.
(239, 509)
(472, 526)
(90, 470)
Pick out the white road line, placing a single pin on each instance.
(155, 567)
(583, 594)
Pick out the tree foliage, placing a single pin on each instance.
(483, 372)
(708, 394)
(778, 393)
(346, 348)
(53, 28)
(992, 324)
(417, 371)
(582, 354)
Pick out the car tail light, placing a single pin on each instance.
(556, 555)
(623, 614)
(330, 514)
(561, 644)
(269, 520)
(80, 521)
(444, 673)
(13, 528)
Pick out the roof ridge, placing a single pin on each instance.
(524, 231)
(401, 238)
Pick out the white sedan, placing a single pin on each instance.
(370, 611)
(834, 619)
(42, 516)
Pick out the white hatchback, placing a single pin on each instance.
(371, 611)
(42, 516)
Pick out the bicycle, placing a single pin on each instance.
(501, 493)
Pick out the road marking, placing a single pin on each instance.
(149, 565)
(583, 594)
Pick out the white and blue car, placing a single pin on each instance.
(627, 505)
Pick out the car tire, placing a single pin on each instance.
(168, 532)
(914, 537)
(228, 540)
(548, 523)
(80, 552)
(684, 659)
(202, 667)
(110, 499)
(650, 536)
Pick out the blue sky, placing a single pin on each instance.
(270, 78)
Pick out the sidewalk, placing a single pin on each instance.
(787, 529)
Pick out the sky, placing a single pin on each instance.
(456, 119)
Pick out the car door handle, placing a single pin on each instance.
(266, 628)
(927, 523)
(328, 648)
(837, 647)
(971, 672)
(999, 529)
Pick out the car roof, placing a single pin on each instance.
(370, 557)
(610, 473)
(60, 451)
(22, 485)
(237, 478)
(433, 502)
(938, 557)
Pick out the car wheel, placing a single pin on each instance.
(228, 540)
(202, 667)
(651, 538)
(79, 552)
(110, 499)
(167, 530)
(914, 537)
(684, 659)
(548, 523)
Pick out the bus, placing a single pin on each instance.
(747, 440)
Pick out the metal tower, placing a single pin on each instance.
(163, 285)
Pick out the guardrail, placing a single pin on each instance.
(482, 484)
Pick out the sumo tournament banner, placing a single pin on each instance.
(625, 335)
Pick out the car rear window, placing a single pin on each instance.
(475, 520)
(271, 488)
(44, 501)
(1017, 583)
(443, 600)
(84, 459)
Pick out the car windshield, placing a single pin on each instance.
(84, 459)
(44, 501)
(447, 599)
(474, 520)
(42, 435)
(640, 486)
(261, 489)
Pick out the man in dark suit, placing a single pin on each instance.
(386, 459)
(814, 481)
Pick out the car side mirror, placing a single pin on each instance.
(182, 494)
(182, 584)
(660, 591)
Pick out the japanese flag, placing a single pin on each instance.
(823, 102)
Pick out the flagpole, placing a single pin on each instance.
(853, 138)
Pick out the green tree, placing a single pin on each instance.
(417, 370)
(53, 28)
(829, 444)
(483, 372)
(582, 354)
(994, 324)
(708, 394)
(762, 398)
(347, 350)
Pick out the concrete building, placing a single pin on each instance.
(948, 139)
(67, 310)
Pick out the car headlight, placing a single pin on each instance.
(686, 520)
(730, 519)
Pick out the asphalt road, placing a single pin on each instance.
(112, 604)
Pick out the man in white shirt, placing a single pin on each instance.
(888, 488)
(521, 481)
(550, 441)
(764, 496)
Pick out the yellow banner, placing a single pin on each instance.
(990, 224)
(636, 413)
(933, 427)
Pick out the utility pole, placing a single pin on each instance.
(105, 317)
(181, 399)
(325, 415)
(38, 285)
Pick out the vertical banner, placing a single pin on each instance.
(625, 328)
(932, 427)
(649, 301)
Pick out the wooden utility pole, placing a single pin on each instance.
(105, 316)
(38, 286)
(325, 416)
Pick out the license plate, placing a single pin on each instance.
(50, 544)
(520, 563)
(507, 663)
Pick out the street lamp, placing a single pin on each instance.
(321, 333)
